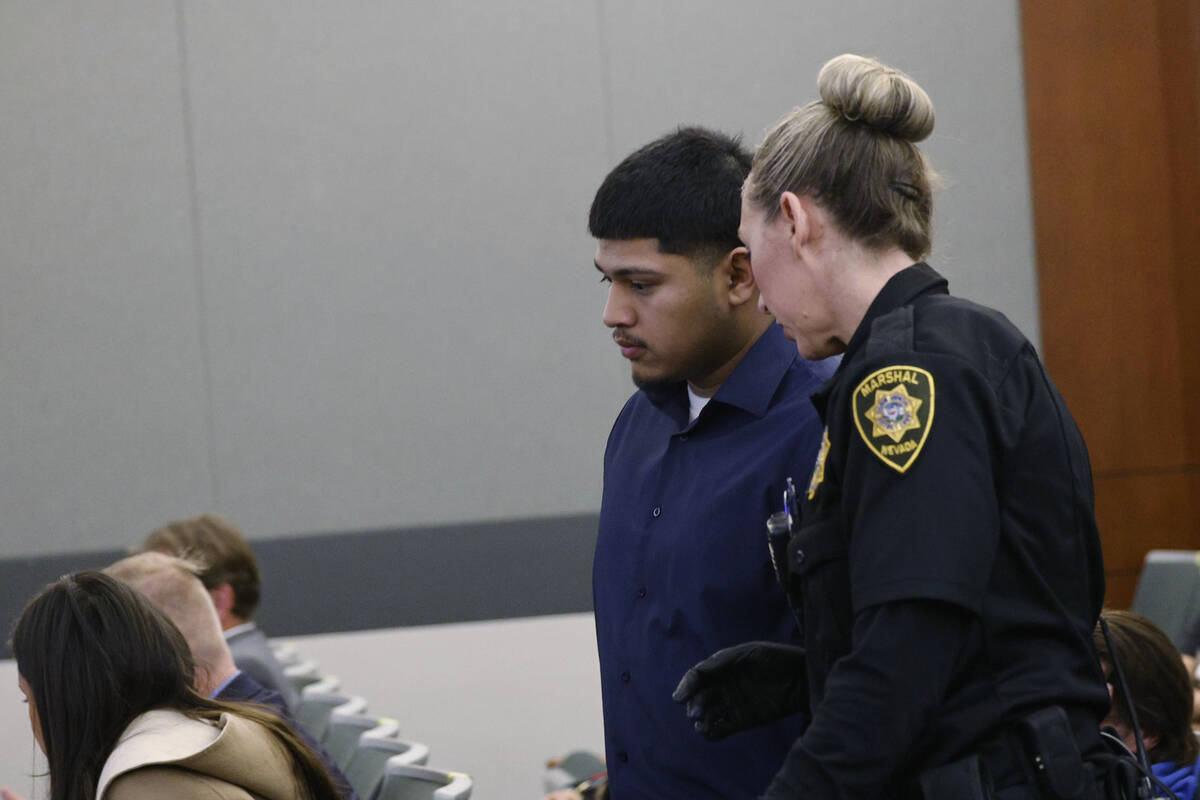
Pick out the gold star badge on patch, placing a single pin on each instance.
(896, 405)
(894, 413)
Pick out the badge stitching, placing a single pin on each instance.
(894, 413)
(818, 473)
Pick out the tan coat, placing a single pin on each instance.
(166, 755)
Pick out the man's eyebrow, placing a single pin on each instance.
(627, 272)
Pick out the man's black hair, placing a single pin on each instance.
(684, 189)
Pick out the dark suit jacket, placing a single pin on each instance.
(253, 655)
(244, 689)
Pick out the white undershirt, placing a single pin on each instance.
(695, 404)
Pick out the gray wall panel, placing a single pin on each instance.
(364, 580)
(393, 205)
(102, 409)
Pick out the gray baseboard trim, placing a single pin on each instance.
(364, 580)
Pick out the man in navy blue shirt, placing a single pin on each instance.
(695, 463)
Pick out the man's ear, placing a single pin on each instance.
(742, 288)
(222, 597)
(801, 216)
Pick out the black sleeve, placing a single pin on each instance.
(877, 700)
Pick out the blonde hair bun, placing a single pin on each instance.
(865, 90)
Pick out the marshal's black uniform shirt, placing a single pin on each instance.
(948, 569)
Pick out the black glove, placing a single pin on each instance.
(744, 686)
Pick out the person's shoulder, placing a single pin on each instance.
(812, 375)
(158, 781)
(956, 324)
(266, 671)
(153, 738)
(774, 378)
(247, 633)
(245, 689)
(799, 382)
(637, 402)
(250, 644)
(643, 411)
(946, 334)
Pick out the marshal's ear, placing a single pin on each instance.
(799, 214)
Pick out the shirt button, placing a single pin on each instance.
(641, 592)
(657, 512)
(799, 557)
(623, 757)
(683, 437)
(625, 676)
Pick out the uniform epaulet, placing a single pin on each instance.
(891, 331)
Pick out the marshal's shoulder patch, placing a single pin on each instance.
(893, 410)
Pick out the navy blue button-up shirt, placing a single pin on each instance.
(682, 567)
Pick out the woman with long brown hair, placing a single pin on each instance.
(108, 679)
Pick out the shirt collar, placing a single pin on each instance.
(900, 290)
(224, 683)
(754, 380)
(750, 386)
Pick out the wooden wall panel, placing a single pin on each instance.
(1119, 587)
(1154, 509)
(1179, 25)
(1113, 94)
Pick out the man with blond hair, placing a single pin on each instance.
(174, 587)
